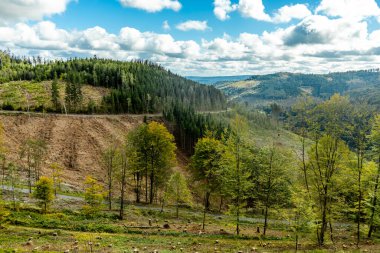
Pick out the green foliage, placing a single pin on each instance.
(152, 154)
(44, 191)
(136, 87)
(328, 162)
(208, 163)
(3, 215)
(190, 126)
(177, 191)
(93, 195)
(55, 93)
(57, 173)
(73, 92)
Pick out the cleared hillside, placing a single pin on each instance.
(75, 142)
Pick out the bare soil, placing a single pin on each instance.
(74, 142)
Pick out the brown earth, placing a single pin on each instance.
(73, 141)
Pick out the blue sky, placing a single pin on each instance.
(200, 37)
(110, 15)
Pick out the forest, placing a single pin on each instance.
(286, 87)
(300, 177)
(135, 87)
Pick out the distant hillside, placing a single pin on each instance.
(217, 80)
(285, 87)
(132, 87)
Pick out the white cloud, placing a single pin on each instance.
(166, 26)
(286, 13)
(222, 8)
(315, 44)
(152, 5)
(253, 9)
(353, 9)
(23, 10)
(193, 25)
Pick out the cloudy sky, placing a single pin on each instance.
(200, 37)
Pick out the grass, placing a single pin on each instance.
(59, 230)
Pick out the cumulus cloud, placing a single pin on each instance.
(286, 13)
(335, 42)
(152, 5)
(222, 8)
(166, 26)
(353, 9)
(22, 10)
(253, 9)
(322, 30)
(193, 25)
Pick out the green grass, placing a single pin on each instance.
(104, 229)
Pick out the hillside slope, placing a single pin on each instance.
(75, 142)
(285, 87)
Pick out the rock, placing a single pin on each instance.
(166, 226)
(216, 241)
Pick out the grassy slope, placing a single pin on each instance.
(21, 93)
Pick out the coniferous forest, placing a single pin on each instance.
(135, 87)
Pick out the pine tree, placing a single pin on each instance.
(55, 93)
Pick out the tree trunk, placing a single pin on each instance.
(324, 219)
(207, 204)
(151, 187)
(204, 212)
(304, 165)
(360, 166)
(146, 180)
(265, 220)
(374, 201)
(137, 189)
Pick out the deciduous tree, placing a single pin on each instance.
(44, 191)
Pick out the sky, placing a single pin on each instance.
(200, 37)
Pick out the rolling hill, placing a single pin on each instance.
(286, 87)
